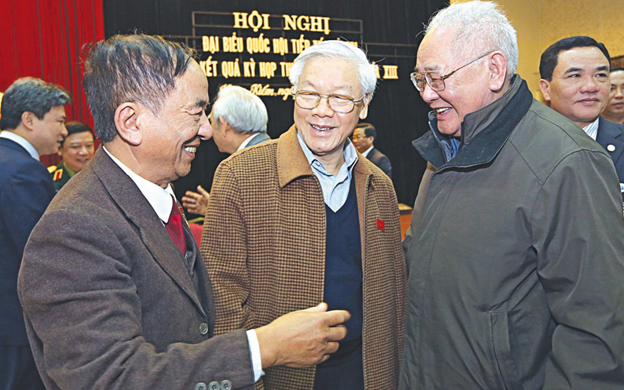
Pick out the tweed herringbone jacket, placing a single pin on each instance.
(264, 247)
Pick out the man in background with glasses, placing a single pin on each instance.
(306, 218)
(515, 252)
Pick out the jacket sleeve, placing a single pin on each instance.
(224, 250)
(24, 199)
(578, 235)
(85, 318)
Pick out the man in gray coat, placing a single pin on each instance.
(515, 252)
(115, 293)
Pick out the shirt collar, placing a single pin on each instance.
(350, 155)
(247, 141)
(159, 198)
(23, 142)
(367, 151)
(592, 129)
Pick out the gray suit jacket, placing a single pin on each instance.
(260, 138)
(109, 300)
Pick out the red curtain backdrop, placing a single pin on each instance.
(44, 39)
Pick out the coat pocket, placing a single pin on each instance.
(505, 364)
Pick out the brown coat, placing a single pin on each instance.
(108, 301)
(264, 248)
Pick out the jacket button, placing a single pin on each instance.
(226, 385)
(203, 329)
(214, 385)
(200, 386)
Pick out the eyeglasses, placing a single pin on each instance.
(435, 79)
(340, 104)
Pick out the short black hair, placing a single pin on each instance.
(548, 61)
(29, 94)
(131, 68)
(616, 69)
(74, 127)
(368, 128)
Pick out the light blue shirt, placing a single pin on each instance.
(335, 188)
(23, 142)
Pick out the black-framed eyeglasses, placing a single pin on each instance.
(434, 79)
(340, 104)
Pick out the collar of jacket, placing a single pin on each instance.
(484, 132)
(292, 162)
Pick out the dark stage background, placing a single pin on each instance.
(389, 33)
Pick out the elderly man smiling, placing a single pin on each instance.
(515, 253)
(306, 219)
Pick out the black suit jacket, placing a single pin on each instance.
(611, 138)
(381, 160)
(109, 300)
(25, 191)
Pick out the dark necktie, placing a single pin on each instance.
(174, 227)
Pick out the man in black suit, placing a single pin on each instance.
(114, 290)
(33, 124)
(575, 82)
(363, 137)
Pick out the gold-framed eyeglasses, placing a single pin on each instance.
(434, 79)
(340, 104)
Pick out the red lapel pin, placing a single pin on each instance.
(381, 225)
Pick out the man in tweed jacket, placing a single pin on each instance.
(274, 241)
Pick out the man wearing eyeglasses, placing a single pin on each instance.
(306, 218)
(515, 252)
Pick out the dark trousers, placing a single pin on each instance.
(17, 369)
(344, 373)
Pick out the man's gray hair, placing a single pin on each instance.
(342, 50)
(241, 109)
(482, 27)
(32, 95)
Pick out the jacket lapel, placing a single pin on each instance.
(139, 212)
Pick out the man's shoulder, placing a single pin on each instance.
(542, 126)
(262, 153)
(544, 138)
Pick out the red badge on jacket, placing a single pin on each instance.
(381, 225)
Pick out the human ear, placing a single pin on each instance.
(364, 110)
(28, 119)
(128, 124)
(497, 65)
(545, 87)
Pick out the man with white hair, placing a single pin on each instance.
(305, 220)
(239, 120)
(515, 252)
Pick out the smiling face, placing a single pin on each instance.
(77, 150)
(615, 108)
(323, 130)
(48, 133)
(579, 88)
(171, 138)
(465, 91)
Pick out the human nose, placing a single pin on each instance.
(590, 84)
(619, 92)
(205, 129)
(428, 94)
(64, 131)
